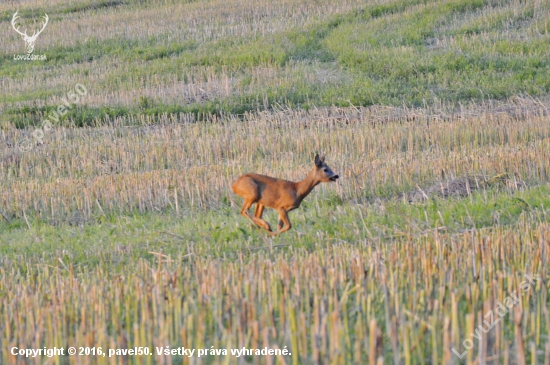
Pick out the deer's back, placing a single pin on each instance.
(268, 190)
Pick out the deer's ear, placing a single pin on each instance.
(322, 158)
(318, 161)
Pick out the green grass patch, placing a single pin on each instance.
(401, 52)
(227, 232)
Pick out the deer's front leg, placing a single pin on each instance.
(281, 224)
(284, 223)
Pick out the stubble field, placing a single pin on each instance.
(118, 227)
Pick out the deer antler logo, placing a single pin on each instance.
(32, 39)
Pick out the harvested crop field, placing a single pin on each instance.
(120, 236)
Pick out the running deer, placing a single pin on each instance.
(281, 195)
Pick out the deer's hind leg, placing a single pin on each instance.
(246, 206)
(248, 189)
(258, 217)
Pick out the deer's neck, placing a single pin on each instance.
(304, 187)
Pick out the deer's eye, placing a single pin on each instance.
(325, 170)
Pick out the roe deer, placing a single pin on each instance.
(281, 195)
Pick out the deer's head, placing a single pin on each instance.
(322, 171)
(30, 40)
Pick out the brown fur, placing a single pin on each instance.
(281, 195)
